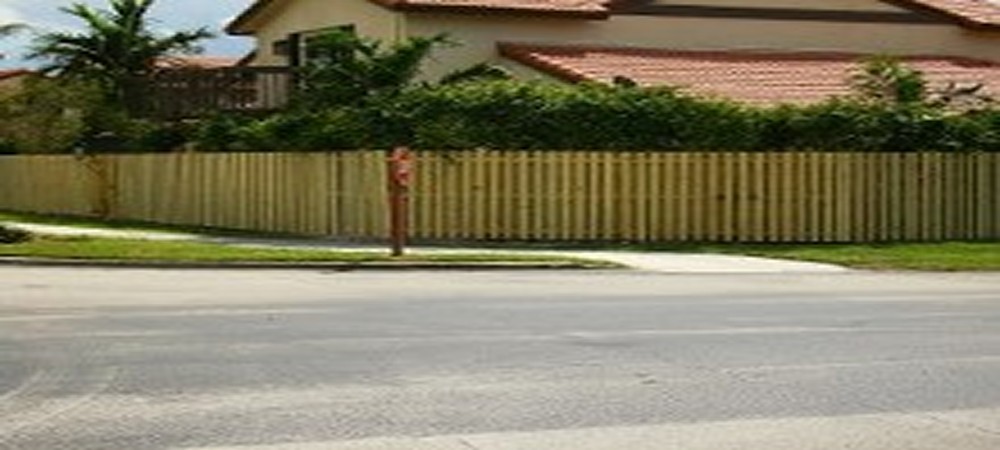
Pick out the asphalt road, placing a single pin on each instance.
(142, 359)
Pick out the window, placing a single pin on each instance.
(296, 46)
(311, 36)
(281, 48)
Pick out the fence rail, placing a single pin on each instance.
(607, 196)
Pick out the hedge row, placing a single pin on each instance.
(525, 115)
(538, 115)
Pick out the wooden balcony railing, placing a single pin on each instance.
(190, 93)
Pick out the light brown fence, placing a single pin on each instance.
(338, 194)
(633, 196)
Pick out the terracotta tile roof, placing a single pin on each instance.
(753, 77)
(596, 8)
(196, 62)
(584, 9)
(12, 73)
(974, 13)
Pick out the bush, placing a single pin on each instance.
(336, 129)
(540, 115)
(518, 115)
(537, 115)
(46, 116)
(10, 235)
(840, 125)
(118, 133)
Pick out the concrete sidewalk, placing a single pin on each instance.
(663, 262)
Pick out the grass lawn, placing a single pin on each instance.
(88, 248)
(945, 256)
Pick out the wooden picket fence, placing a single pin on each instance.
(542, 195)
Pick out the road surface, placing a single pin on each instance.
(184, 359)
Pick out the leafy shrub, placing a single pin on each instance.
(56, 116)
(45, 116)
(538, 115)
(335, 129)
(118, 133)
(10, 235)
(518, 115)
(840, 125)
(219, 133)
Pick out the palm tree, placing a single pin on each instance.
(8, 29)
(886, 80)
(345, 69)
(116, 50)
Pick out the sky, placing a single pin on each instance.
(167, 15)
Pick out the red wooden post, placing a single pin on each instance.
(400, 175)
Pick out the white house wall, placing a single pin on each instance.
(479, 35)
(303, 16)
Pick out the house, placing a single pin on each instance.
(761, 51)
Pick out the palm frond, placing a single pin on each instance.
(115, 47)
(8, 29)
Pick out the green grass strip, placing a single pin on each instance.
(89, 248)
(942, 256)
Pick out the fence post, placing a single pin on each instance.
(400, 174)
(103, 185)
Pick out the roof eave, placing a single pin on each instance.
(405, 6)
(961, 20)
(239, 25)
(6, 75)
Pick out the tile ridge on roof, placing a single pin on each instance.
(10, 73)
(516, 48)
(583, 9)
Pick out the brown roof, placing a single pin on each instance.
(584, 9)
(581, 8)
(12, 73)
(196, 62)
(973, 13)
(752, 77)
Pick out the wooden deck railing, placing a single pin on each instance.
(188, 93)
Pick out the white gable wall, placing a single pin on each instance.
(303, 16)
(480, 34)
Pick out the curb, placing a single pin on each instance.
(264, 265)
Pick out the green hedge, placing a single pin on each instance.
(541, 115)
